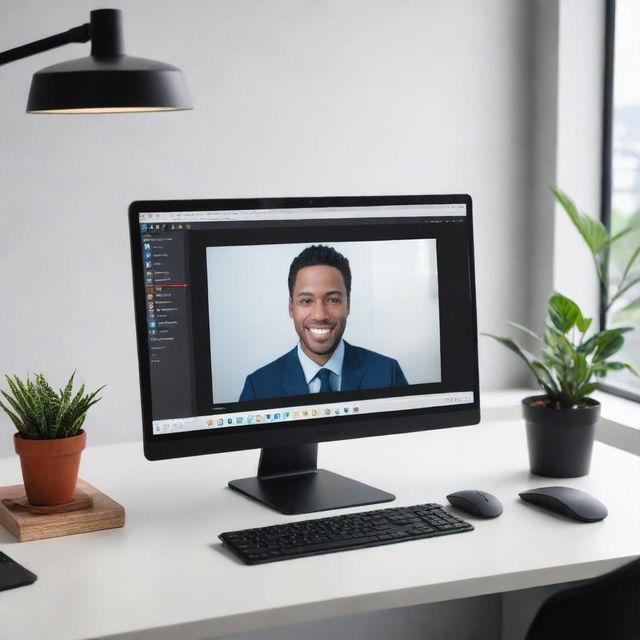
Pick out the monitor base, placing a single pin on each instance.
(289, 481)
(317, 490)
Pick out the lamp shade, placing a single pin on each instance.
(109, 85)
(107, 81)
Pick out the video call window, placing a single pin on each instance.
(391, 311)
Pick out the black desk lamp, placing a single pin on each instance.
(105, 82)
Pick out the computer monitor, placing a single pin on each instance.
(280, 323)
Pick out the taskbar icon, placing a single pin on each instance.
(286, 414)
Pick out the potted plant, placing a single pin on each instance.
(50, 438)
(561, 422)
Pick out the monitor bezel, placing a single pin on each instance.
(294, 432)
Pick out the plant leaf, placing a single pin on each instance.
(545, 379)
(23, 403)
(632, 306)
(563, 313)
(593, 231)
(581, 369)
(608, 342)
(584, 392)
(17, 420)
(603, 367)
(624, 289)
(583, 324)
(632, 259)
(622, 233)
(541, 373)
(63, 405)
(524, 329)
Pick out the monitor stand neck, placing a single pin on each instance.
(276, 462)
(290, 482)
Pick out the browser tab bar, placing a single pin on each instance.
(235, 215)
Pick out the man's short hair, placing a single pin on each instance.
(319, 254)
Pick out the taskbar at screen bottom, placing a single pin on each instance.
(311, 412)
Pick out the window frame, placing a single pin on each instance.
(607, 167)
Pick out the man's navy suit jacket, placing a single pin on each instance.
(361, 369)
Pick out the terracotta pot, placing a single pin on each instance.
(560, 441)
(50, 467)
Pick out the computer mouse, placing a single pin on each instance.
(476, 503)
(570, 502)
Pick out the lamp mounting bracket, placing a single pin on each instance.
(75, 34)
(104, 31)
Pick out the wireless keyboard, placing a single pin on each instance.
(339, 533)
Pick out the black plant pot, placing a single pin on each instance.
(560, 441)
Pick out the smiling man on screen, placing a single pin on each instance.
(319, 299)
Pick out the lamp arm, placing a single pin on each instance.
(75, 34)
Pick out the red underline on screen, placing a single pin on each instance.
(165, 286)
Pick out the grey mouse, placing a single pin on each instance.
(476, 503)
(570, 502)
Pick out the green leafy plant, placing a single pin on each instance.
(39, 413)
(570, 361)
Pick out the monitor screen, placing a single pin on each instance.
(281, 323)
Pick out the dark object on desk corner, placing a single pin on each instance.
(13, 575)
(606, 606)
(476, 503)
(570, 502)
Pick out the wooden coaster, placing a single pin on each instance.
(27, 525)
(80, 501)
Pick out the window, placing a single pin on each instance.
(621, 184)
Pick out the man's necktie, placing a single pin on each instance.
(323, 376)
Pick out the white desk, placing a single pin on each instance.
(167, 570)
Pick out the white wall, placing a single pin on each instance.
(566, 72)
(579, 166)
(292, 97)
